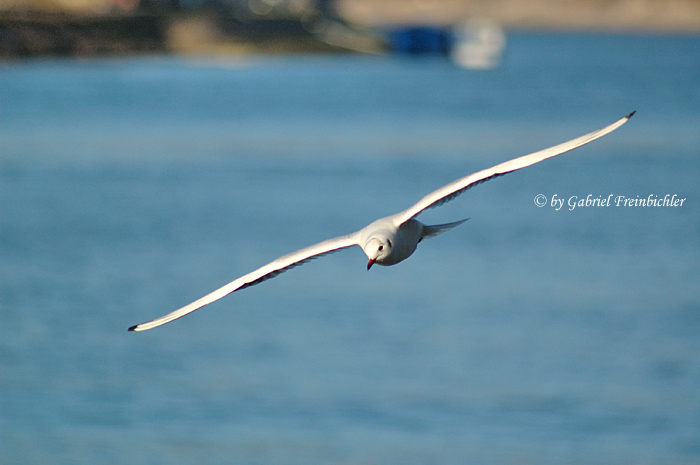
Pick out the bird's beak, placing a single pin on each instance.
(370, 263)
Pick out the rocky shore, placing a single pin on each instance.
(63, 34)
(32, 32)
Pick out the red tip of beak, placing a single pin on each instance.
(370, 263)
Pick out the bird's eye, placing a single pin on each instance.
(381, 247)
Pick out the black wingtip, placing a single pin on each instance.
(631, 114)
(133, 328)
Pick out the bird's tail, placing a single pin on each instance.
(436, 229)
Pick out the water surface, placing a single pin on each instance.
(130, 187)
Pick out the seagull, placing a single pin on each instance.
(386, 241)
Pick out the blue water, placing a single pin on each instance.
(130, 187)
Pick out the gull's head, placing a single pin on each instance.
(377, 250)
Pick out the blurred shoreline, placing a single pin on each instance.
(107, 27)
(636, 16)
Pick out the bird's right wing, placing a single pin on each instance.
(452, 190)
(264, 273)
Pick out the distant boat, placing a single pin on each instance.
(478, 45)
(420, 40)
(473, 44)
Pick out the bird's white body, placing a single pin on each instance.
(398, 241)
(390, 240)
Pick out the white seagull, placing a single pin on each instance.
(389, 240)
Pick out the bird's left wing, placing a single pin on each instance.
(452, 190)
(264, 273)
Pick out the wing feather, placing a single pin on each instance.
(272, 269)
(452, 190)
